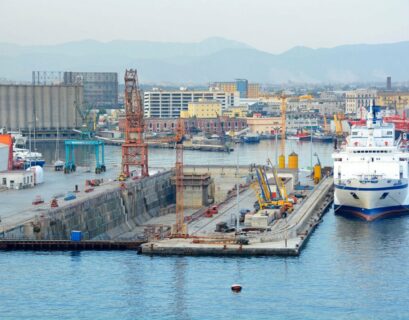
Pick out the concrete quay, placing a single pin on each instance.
(285, 237)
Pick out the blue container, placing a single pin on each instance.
(76, 235)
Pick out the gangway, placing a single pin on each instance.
(70, 145)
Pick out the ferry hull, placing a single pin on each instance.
(382, 200)
(371, 214)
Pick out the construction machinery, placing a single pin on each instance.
(338, 126)
(317, 171)
(326, 130)
(134, 149)
(264, 197)
(281, 158)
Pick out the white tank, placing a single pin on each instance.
(38, 174)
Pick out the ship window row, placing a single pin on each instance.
(372, 151)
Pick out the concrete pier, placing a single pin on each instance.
(285, 236)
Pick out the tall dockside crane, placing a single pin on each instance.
(180, 228)
(134, 149)
(281, 158)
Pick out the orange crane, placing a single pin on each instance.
(180, 227)
(325, 124)
(134, 148)
(338, 124)
(281, 158)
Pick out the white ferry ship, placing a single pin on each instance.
(371, 171)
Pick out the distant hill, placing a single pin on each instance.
(210, 60)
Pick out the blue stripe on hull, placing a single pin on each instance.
(402, 186)
(371, 214)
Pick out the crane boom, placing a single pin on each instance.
(283, 124)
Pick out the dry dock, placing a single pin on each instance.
(286, 236)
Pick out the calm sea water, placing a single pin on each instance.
(348, 270)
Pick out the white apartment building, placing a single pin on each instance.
(168, 104)
(356, 101)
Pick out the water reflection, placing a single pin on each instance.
(179, 270)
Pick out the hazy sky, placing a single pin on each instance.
(270, 25)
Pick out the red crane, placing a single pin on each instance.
(134, 149)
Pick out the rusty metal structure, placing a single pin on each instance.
(180, 228)
(134, 149)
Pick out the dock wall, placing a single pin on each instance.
(104, 215)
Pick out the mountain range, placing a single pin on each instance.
(213, 59)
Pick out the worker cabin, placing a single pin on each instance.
(17, 179)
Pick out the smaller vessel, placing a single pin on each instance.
(251, 138)
(300, 136)
(27, 158)
(19, 141)
(322, 137)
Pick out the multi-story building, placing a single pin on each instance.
(43, 107)
(242, 86)
(357, 100)
(100, 88)
(246, 89)
(209, 125)
(264, 125)
(397, 100)
(202, 109)
(236, 112)
(169, 104)
(225, 86)
(253, 90)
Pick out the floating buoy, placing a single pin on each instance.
(236, 287)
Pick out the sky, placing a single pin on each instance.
(270, 25)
